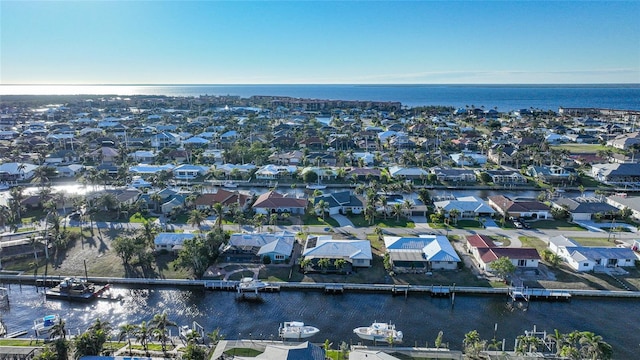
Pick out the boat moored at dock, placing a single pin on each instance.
(76, 289)
(43, 326)
(296, 330)
(379, 332)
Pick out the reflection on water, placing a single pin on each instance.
(419, 317)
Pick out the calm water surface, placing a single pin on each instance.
(420, 317)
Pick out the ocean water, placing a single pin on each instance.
(502, 97)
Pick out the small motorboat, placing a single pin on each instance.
(44, 325)
(379, 332)
(296, 330)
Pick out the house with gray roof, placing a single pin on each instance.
(455, 175)
(468, 207)
(623, 200)
(419, 254)
(357, 253)
(551, 174)
(170, 241)
(616, 174)
(591, 258)
(342, 202)
(583, 208)
(255, 247)
(399, 172)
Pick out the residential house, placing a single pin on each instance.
(583, 208)
(588, 258)
(551, 174)
(468, 159)
(273, 202)
(414, 173)
(357, 253)
(17, 171)
(468, 207)
(419, 254)
(364, 174)
(625, 141)
(505, 176)
(147, 170)
(279, 351)
(71, 170)
(287, 158)
(454, 175)
(170, 241)
(519, 208)
(143, 156)
(273, 172)
(165, 139)
(255, 247)
(616, 174)
(485, 251)
(189, 172)
(342, 202)
(224, 197)
(623, 200)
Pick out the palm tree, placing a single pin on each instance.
(218, 210)
(322, 207)
(258, 220)
(339, 264)
(143, 333)
(5, 215)
(454, 213)
(215, 336)
(16, 200)
(396, 211)
(324, 263)
(160, 324)
(273, 219)
(156, 198)
(58, 330)
(593, 347)
(127, 331)
(196, 218)
(304, 263)
(149, 231)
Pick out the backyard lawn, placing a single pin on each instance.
(589, 241)
(556, 225)
(533, 242)
(580, 148)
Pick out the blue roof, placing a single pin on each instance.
(172, 238)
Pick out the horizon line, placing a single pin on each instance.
(328, 84)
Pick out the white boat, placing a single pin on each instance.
(379, 332)
(249, 284)
(296, 330)
(230, 184)
(44, 325)
(316, 187)
(195, 332)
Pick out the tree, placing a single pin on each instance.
(218, 211)
(215, 336)
(472, 343)
(593, 347)
(324, 264)
(160, 325)
(502, 267)
(396, 210)
(126, 247)
(193, 352)
(454, 213)
(194, 255)
(58, 330)
(143, 334)
(196, 218)
(127, 331)
(149, 232)
(339, 264)
(322, 207)
(304, 263)
(438, 342)
(91, 342)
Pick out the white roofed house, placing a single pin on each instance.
(588, 258)
(272, 172)
(170, 241)
(17, 171)
(617, 174)
(419, 254)
(398, 172)
(469, 207)
(189, 172)
(356, 253)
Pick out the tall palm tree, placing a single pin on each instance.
(218, 210)
(196, 218)
(322, 207)
(156, 198)
(160, 324)
(396, 210)
(127, 331)
(143, 333)
(58, 330)
(15, 204)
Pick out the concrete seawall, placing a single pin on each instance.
(293, 286)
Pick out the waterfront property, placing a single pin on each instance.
(356, 253)
(519, 208)
(170, 241)
(588, 258)
(485, 251)
(255, 247)
(419, 254)
(273, 202)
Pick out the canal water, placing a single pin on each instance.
(420, 317)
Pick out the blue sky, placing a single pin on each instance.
(318, 42)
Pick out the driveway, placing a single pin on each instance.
(342, 220)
